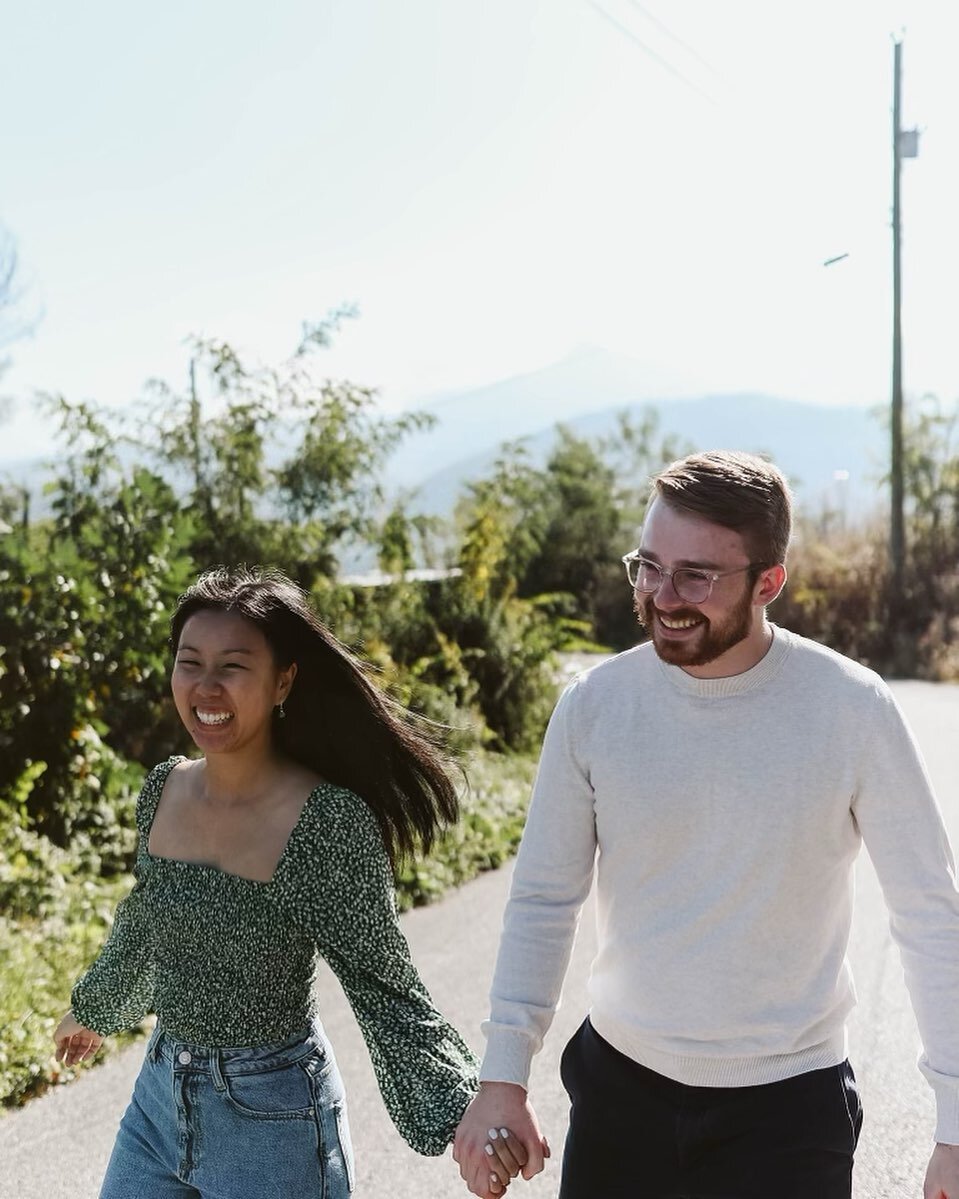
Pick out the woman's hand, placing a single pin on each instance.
(507, 1156)
(497, 1107)
(74, 1042)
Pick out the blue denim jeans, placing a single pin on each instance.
(267, 1122)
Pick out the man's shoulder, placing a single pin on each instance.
(826, 666)
(614, 670)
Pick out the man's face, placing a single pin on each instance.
(686, 634)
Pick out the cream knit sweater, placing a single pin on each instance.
(727, 814)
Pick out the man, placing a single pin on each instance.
(726, 773)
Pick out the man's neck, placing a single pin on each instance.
(740, 658)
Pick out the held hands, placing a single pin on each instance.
(74, 1042)
(507, 1157)
(487, 1158)
(942, 1176)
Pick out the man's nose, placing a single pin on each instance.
(665, 594)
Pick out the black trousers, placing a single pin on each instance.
(634, 1134)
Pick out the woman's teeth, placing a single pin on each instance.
(213, 717)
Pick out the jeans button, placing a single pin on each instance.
(184, 1058)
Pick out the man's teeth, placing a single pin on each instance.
(686, 623)
(213, 717)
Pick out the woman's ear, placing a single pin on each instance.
(285, 682)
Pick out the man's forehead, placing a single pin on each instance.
(684, 539)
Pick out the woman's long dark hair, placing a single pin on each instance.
(337, 722)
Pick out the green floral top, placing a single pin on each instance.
(228, 961)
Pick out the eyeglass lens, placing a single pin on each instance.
(690, 585)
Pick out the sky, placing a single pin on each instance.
(493, 184)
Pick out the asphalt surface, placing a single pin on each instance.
(57, 1147)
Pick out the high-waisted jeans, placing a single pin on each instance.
(267, 1122)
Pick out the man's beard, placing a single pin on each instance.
(710, 639)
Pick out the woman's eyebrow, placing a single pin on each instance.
(193, 650)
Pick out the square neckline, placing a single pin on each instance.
(149, 816)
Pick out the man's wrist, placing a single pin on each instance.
(490, 1086)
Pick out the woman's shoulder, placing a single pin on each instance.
(153, 785)
(338, 836)
(335, 810)
(176, 765)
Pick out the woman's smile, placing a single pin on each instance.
(212, 717)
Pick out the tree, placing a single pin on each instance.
(9, 295)
(564, 527)
(12, 328)
(285, 467)
(84, 604)
(579, 522)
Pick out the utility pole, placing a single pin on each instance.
(897, 527)
(905, 144)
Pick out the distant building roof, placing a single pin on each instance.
(379, 578)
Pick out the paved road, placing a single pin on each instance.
(57, 1147)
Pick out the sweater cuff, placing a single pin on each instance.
(946, 1089)
(508, 1057)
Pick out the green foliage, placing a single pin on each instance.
(836, 594)
(287, 466)
(39, 959)
(84, 601)
(840, 589)
(469, 643)
(579, 521)
(33, 871)
(487, 835)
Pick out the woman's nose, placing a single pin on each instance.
(208, 683)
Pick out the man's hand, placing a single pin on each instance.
(499, 1105)
(942, 1176)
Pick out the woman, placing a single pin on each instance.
(275, 844)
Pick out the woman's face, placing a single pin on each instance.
(226, 683)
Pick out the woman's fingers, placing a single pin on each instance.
(77, 1048)
(74, 1042)
(488, 1181)
(507, 1150)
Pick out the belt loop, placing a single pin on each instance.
(154, 1050)
(218, 1083)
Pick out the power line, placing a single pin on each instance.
(675, 37)
(664, 63)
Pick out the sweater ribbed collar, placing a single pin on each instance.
(766, 669)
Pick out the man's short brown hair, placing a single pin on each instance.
(736, 490)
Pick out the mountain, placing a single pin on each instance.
(834, 455)
(588, 380)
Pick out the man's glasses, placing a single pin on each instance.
(692, 585)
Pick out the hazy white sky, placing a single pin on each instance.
(494, 183)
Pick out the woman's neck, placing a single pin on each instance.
(239, 778)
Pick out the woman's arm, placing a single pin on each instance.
(116, 991)
(425, 1071)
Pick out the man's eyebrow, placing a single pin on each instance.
(687, 562)
(193, 650)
